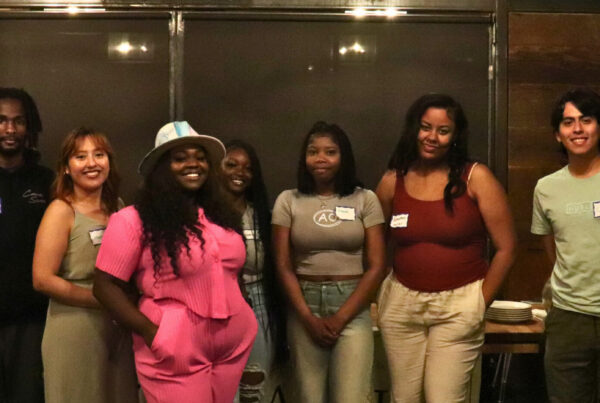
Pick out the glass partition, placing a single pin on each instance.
(263, 80)
(268, 81)
(110, 74)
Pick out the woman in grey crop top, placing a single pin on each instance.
(86, 356)
(329, 252)
(243, 182)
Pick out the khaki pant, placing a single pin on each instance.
(432, 340)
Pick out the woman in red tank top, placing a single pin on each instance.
(440, 208)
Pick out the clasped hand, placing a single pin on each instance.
(325, 331)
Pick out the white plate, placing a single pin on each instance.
(509, 311)
(509, 317)
(506, 320)
(509, 305)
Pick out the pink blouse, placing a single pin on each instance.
(207, 282)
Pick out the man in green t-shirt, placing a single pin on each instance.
(566, 213)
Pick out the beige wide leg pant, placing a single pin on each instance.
(432, 340)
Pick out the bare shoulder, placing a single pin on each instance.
(385, 192)
(389, 176)
(387, 183)
(59, 211)
(483, 180)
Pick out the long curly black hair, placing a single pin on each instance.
(170, 214)
(256, 195)
(406, 151)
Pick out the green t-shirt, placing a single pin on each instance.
(564, 206)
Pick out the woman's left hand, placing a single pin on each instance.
(334, 324)
(318, 331)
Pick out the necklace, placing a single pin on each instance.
(323, 200)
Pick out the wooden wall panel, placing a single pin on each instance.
(548, 53)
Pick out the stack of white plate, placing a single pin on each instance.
(509, 311)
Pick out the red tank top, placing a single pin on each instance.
(433, 250)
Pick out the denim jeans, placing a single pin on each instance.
(262, 354)
(341, 373)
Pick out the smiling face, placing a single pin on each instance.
(88, 166)
(237, 171)
(13, 127)
(323, 159)
(435, 136)
(578, 133)
(189, 165)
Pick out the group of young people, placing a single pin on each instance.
(226, 300)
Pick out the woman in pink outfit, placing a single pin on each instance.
(180, 242)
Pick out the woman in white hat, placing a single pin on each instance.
(193, 331)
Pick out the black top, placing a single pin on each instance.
(24, 195)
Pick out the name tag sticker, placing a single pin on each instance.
(96, 236)
(399, 221)
(345, 213)
(248, 234)
(596, 205)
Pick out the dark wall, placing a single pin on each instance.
(269, 81)
(70, 68)
(260, 80)
(548, 54)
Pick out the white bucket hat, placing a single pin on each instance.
(180, 133)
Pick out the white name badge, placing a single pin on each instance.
(399, 221)
(596, 205)
(248, 234)
(96, 236)
(345, 213)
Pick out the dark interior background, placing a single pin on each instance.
(265, 81)
(268, 81)
(77, 79)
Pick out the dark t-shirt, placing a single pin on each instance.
(24, 196)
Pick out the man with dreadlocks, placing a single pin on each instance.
(24, 194)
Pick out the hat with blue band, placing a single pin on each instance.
(181, 133)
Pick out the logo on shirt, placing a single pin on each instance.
(578, 208)
(326, 218)
(33, 198)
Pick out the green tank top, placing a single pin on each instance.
(80, 258)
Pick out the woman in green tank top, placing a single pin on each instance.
(86, 357)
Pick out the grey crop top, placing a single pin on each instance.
(327, 233)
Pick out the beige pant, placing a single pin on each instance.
(432, 340)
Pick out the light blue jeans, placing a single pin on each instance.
(262, 354)
(341, 373)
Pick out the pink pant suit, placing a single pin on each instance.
(205, 328)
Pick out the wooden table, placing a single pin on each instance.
(520, 338)
(507, 339)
